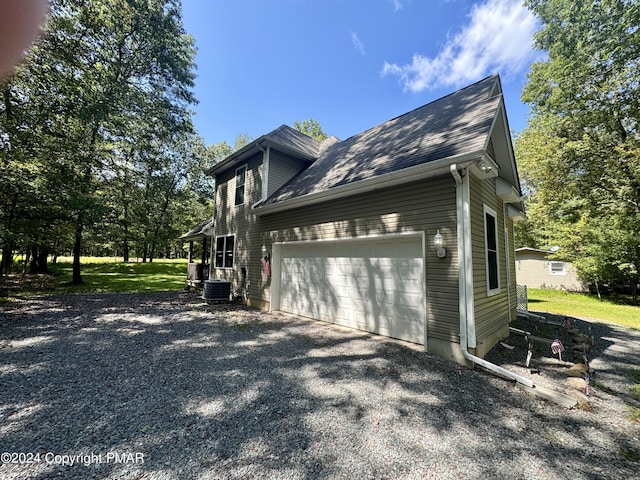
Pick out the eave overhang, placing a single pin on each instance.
(419, 172)
(254, 148)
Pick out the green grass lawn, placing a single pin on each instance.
(102, 274)
(610, 310)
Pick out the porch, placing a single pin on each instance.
(199, 236)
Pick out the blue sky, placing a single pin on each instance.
(349, 64)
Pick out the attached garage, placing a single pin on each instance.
(376, 284)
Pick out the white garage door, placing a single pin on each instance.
(375, 285)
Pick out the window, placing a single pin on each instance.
(224, 251)
(241, 175)
(557, 268)
(491, 250)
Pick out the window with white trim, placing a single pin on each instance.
(241, 176)
(491, 250)
(225, 251)
(557, 268)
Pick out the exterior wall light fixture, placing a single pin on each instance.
(484, 166)
(438, 243)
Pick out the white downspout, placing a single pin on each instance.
(465, 301)
(507, 256)
(212, 260)
(265, 171)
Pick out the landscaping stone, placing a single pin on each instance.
(579, 383)
(575, 373)
(578, 396)
(579, 367)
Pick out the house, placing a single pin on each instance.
(197, 273)
(344, 231)
(538, 268)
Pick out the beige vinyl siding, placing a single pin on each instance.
(421, 206)
(281, 169)
(491, 311)
(532, 269)
(238, 220)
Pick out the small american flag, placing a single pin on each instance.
(556, 346)
(266, 265)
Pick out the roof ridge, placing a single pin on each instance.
(452, 125)
(456, 92)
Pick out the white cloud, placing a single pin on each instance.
(397, 5)
(357, 43)
(497, 38)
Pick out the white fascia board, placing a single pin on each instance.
(235, 158)
(515, 213)
(253, 148)
(507, 192)
(406, 175)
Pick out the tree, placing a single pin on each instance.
(105, 73)
(310, 127)
(581, 152)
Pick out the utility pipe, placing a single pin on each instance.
(465, 293)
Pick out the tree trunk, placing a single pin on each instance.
(8, 244)
(33, 265)
(125, 235)
(43, 255)
(7, 258)
(77, 278)
(27, 256)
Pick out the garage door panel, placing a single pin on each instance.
(373, 285)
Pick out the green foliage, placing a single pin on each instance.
(580, 155)
(96, 139)
(618, 310)
(123, 277)
(311, 128)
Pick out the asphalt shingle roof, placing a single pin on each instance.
(286, 135)
(452, 125)
(197, 232)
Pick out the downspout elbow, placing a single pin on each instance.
(456, 175)
(462, 256)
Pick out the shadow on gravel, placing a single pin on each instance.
(198, 391)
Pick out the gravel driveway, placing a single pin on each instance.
(163, 386)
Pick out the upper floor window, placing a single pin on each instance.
(491, 250)
(225, 251)
(241, 175)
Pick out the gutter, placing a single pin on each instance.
(398, 177)
(465, 277)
